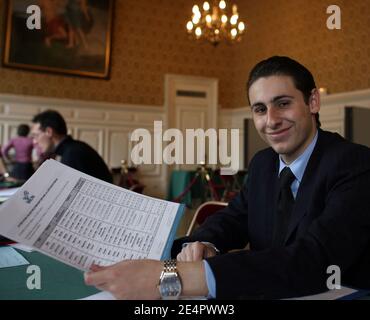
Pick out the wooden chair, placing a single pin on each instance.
(203, 212)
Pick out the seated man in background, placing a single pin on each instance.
(49, 131)
(304, 208)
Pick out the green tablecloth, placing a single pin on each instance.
(10, 184)
(58, 281)
(180, 179)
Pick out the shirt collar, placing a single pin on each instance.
(298, 166)
(59, 146)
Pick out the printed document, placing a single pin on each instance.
(81, 220)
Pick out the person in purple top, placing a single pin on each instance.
(23, 146)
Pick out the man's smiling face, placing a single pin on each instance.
(281, 116)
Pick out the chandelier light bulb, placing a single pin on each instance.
(234, 19)
(241, 26)
(196, 19)
(189, 26)
(198, 31)
(215, 21)
(197, 14)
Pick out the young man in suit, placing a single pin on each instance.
(305, 207)
(49, 132)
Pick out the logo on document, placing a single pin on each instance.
(28, 197)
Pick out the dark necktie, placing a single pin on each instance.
(285, 206)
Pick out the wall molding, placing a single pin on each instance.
(81, 103)
(344, 98)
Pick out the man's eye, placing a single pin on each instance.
(283, 103)
(259, 109)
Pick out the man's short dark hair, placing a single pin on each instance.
(52, 119)
(23, 130)
(284, 66)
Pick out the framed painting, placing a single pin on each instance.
(73, 36)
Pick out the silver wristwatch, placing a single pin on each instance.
(169, 282)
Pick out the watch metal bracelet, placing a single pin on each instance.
(170, 265)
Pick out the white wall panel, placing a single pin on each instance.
(104, 126)
(92, 136)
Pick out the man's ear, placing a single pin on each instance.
(314, 102)
(49, 131)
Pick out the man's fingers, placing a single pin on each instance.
(198, 250)
(102, 287)
(97, 278)
(95, 267)
(192, 252)
(209, 253)
(180, 257)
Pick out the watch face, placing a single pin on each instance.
(170, 287)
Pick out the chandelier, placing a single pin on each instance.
(214, 24)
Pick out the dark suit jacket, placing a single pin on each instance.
(330, 225)
(80, 156)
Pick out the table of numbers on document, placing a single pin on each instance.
(102, 225)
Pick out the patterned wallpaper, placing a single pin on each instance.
(338, 59)
(149, 40)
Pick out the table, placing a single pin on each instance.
(58, 280)
(10, 184)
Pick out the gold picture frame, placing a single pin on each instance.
(75, 37)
